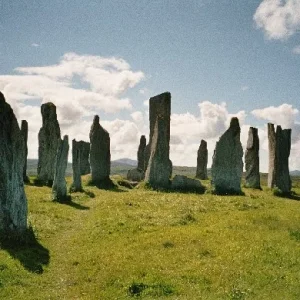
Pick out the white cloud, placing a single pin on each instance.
(245, 88)
(35, 45)
(296, 50)
(283, 115)
(279, 19)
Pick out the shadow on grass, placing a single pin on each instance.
(76, 205)
(31, 254)
(292, 195)
(106, 184)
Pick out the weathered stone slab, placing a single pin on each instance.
(183, 183)
(13, 202)
(227, 166)
(141, 153)
(272, 155)
(76, 166)
(24, 133)
(252, 177)
(59, 188)
(135, 175)
(159, 167)
(49, 137)
(99, 152)
(283, 148)
(202, 157)
(85, 167)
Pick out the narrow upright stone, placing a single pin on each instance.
(159, 167)
(84, 157)
(76, 164)
(252, 178)
(141, 153)
(283, 148)
(49, 137)
(24, 132)
(272, 155)
(227, 166)
(99, 152)
(13, 202)
(138, 174)
(59, 188)
(202, 157)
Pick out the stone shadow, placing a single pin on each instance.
(32, 255)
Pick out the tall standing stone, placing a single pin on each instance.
(252, 178)
(272, 155)
(159, 167)
(99, 152)
(76, 164)
(283, 148)
(59, 188)
(227, 166)
(24, 133)
(138, 174)
(84, 157)
(13, 202)
(141, 153)
(202, 157)
(49, 137)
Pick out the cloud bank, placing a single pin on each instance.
(279, 19)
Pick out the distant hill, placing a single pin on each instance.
(295, 173)
(125, 161)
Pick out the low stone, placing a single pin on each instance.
(85, 167)
(135, 175)
(183, 183)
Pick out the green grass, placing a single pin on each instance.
(143, 244)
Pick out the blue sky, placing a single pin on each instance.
(236, 57)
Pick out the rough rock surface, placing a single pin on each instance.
(283, 148)
(272, 155)
(135, 175)
(59, 188)
(49, 137)
(159, 167)
(181, 182)
(76, 164)
(141, 153)
(99, 152)
(252, 177)
(85, 167)
(13, 202)
(202, 157)
(227, 166)
(24, 132)
(138, 174)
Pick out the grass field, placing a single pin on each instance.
(139, 243)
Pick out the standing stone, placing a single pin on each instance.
(99, 152)
(13, 202)
(283, 148)
(59, 188)
(138, 174)
(84, 157)
(227, 166)
(272, 155)
(202, 158)
(76, 164)
(24, 132)
(141, 153)
(159, 167)
(252, 178)
(49, 137)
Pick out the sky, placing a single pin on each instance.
(218, 58)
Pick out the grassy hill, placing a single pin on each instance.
(129, 244)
